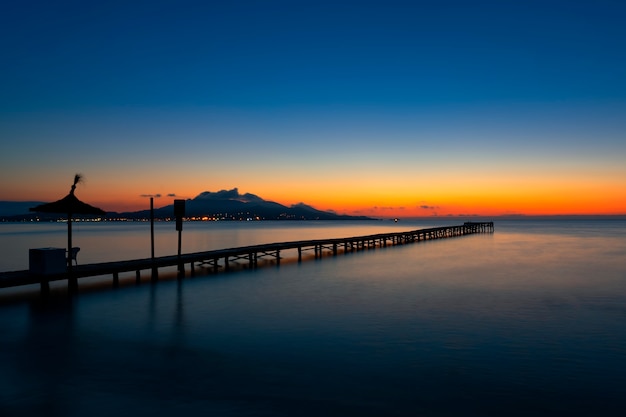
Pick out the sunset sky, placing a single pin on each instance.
(380, 108)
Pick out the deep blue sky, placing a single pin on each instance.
(253, 85)
(64, 55)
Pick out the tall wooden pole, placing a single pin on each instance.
(72, 283)
(152, 228)
(155, 273)
(179, 213)
(181, 268)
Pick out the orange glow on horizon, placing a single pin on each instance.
(437, 197)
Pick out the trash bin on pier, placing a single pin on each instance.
(47, 261)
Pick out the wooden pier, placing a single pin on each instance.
(223, 259)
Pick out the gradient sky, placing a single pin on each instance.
(382, 108)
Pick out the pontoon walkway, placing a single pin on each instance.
(223, 258)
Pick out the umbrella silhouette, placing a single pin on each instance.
(69, 205)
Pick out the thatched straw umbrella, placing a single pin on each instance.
(69, 205)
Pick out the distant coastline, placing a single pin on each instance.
(224, 205)
(229, 205)
(118, 218)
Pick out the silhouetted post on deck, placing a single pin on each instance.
(179, 213)
(72, 282)
(154, 269)
(152, 228)
(155, 272)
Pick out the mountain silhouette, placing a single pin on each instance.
(222, 205)
(16, 208)
(231, 205)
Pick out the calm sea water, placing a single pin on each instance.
(530, 320)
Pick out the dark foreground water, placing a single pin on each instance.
(528, 321)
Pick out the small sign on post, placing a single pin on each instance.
(179, 213)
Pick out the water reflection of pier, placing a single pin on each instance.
(224, 259)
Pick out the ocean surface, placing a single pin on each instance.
(527, 321)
